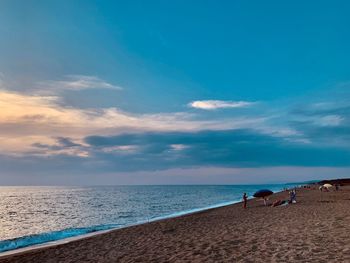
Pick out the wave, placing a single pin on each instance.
(37, 239)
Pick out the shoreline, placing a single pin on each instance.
(314, 229)
(55, 242)
(59, 242)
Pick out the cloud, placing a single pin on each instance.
(178, 147)
(27, 119)
(75, 83)
(229, 148)
(218, 104)
(329, 120)
(161, 151)
(39, 131)
(67, 142)
(61, 146)
(324, 120)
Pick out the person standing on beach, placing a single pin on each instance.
(292, 196)
(245, 198)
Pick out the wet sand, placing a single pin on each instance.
(315, 229)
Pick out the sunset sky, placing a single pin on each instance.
(173, 92)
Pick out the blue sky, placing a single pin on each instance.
(121, 92)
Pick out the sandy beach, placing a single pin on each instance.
(315, 229)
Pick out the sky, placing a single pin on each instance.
(173, 92)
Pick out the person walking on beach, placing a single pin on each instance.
(245, 198)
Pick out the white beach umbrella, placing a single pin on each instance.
(327, 185)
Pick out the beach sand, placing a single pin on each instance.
(315, 229)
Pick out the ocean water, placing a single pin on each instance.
(35, 215)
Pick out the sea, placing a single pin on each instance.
(36, 215)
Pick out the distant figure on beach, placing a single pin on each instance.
(292, 196)
(265, 200)
(245, 198)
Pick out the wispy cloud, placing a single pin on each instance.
(76, 82)
(329, 120)
(323, 118)
(218, 104)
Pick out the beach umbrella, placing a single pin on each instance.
(263, 193)
(327, 185)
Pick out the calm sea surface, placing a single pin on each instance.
(34, 215)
